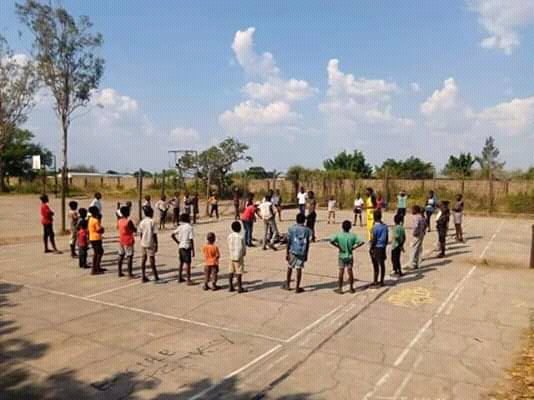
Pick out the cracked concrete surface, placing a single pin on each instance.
(170, 341)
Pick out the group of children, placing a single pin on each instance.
(87, 230)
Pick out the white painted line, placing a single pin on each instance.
(236, 372)
(453, 302)
(425, 327)
(148, 312)
(137, 282)
(313, 324)
(408, 377)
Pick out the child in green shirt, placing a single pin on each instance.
(346, 241)
(397, 246)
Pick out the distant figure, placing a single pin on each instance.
(442, 226)
(358, 209)
(370, 208)
(83, 238)
(214, 205)
(402, 200)
(127, 231)
(332, 206)
(346, 242)
(147, 203)
(211, 262)
(188, 204)
(431, 203)
(175, 204)
(418, 236)
(458, 217)
(379, 242)
(149, 243)
(97, 202)
(195, 206)
(163, 207)
(237, 250)
(183, 236)
(311, 218)
(302, 198)
(237, 203)
(95, 237)
(380, 202)
(266, 213)
(277, 203)
(247, 218)
(73, 220)
(47, 220)
(298, 246)
(397, 245)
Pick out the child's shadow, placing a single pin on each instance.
(322, 285)
(254, 286)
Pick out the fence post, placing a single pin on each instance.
(140, 193)
(532, 249)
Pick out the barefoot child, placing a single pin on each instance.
(311, 218)
(83, 238)
(127, 230)
(298, 246)
(237, 249)
(149, 243)
(73, 219)
(163, 207)
(47, 220)
(379, 242)
(418, 236)
(183, 236)
(211, 262)
(358, 209)
(346, 241)
(397, 246)
(95, 237)
(332, 205)
(458, 216)
(442, 226)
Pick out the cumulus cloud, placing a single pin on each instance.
(511, 118)
(255, 64)
(442, 99)
(278, 89)
(502, 20)
(416, 88)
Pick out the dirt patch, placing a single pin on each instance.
(520, 378)
(499, 263)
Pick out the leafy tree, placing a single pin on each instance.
(65, 53)
(489, 158)
(17, 154)
(91, 169)
(259, 173)
(354, 162)
(529, 174)
(460, 166)
(411, 168)
(17, 88)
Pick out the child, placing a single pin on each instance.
(302, 198)
(211, 262)
(175, 203)
(380, 202)
(95, 237)
(238, 250)
(458, 216)
(126, 240)
(73, 219)
(247, 218)
(358, 207)
(442, 226)
(163, 208)
(397, 247)
(346, 241)
(430, 207)
(311, 218)
(149, 243)
(214, 205)
(332, 205)
(418, 235)
(147, 202)
(298, 246)
(266, 212)
(402, 199)
(47, 220)
(379, 242)
(196, 209)
(188, 202)
(237, 203)
(97, 202)
(183, 236)
(83, 238)
(277, 203)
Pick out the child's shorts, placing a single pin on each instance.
(214, 268)
(295, 262)
(127, 251)
(236, 267)
(97, 247)
(342, 264)
(185, 256)
(148, 251)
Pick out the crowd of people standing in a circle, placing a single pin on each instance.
(87, 232)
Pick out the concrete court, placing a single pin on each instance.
(446, 332)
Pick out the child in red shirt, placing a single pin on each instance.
(47, 220)
(83, 238)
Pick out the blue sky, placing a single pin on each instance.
(300, 80)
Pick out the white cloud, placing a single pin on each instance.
(279, 89)
(416, 88)
(110, 98)
(511, 118)
(502, 20)
(442, 99)
(255, 64)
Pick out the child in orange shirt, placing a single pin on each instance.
(211, 259)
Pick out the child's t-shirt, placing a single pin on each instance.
(147, 229)
(46, 214)
(302, 198)
(346, 241)
(331, 205)
(94, 229)
(211, 255)
(73, 218)
(358, 203)
(399, 236)
(83, 237)
(184, 235)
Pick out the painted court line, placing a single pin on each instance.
(408, 377)
(425, 327)
(148, 312)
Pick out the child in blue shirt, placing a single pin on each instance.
(379, 242)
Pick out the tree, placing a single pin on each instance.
(91, 169)
(17, 88)
(354, 162)
(259, 173)
(65, 53)
(411, 168)
(489, 159)
(16, 156)
(460, 166)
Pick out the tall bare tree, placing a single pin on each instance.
(18, 84)
(67, 62)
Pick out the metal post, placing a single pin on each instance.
(140, 193)
(532, 249)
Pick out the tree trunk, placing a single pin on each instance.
(3, 186)
(64, 175)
